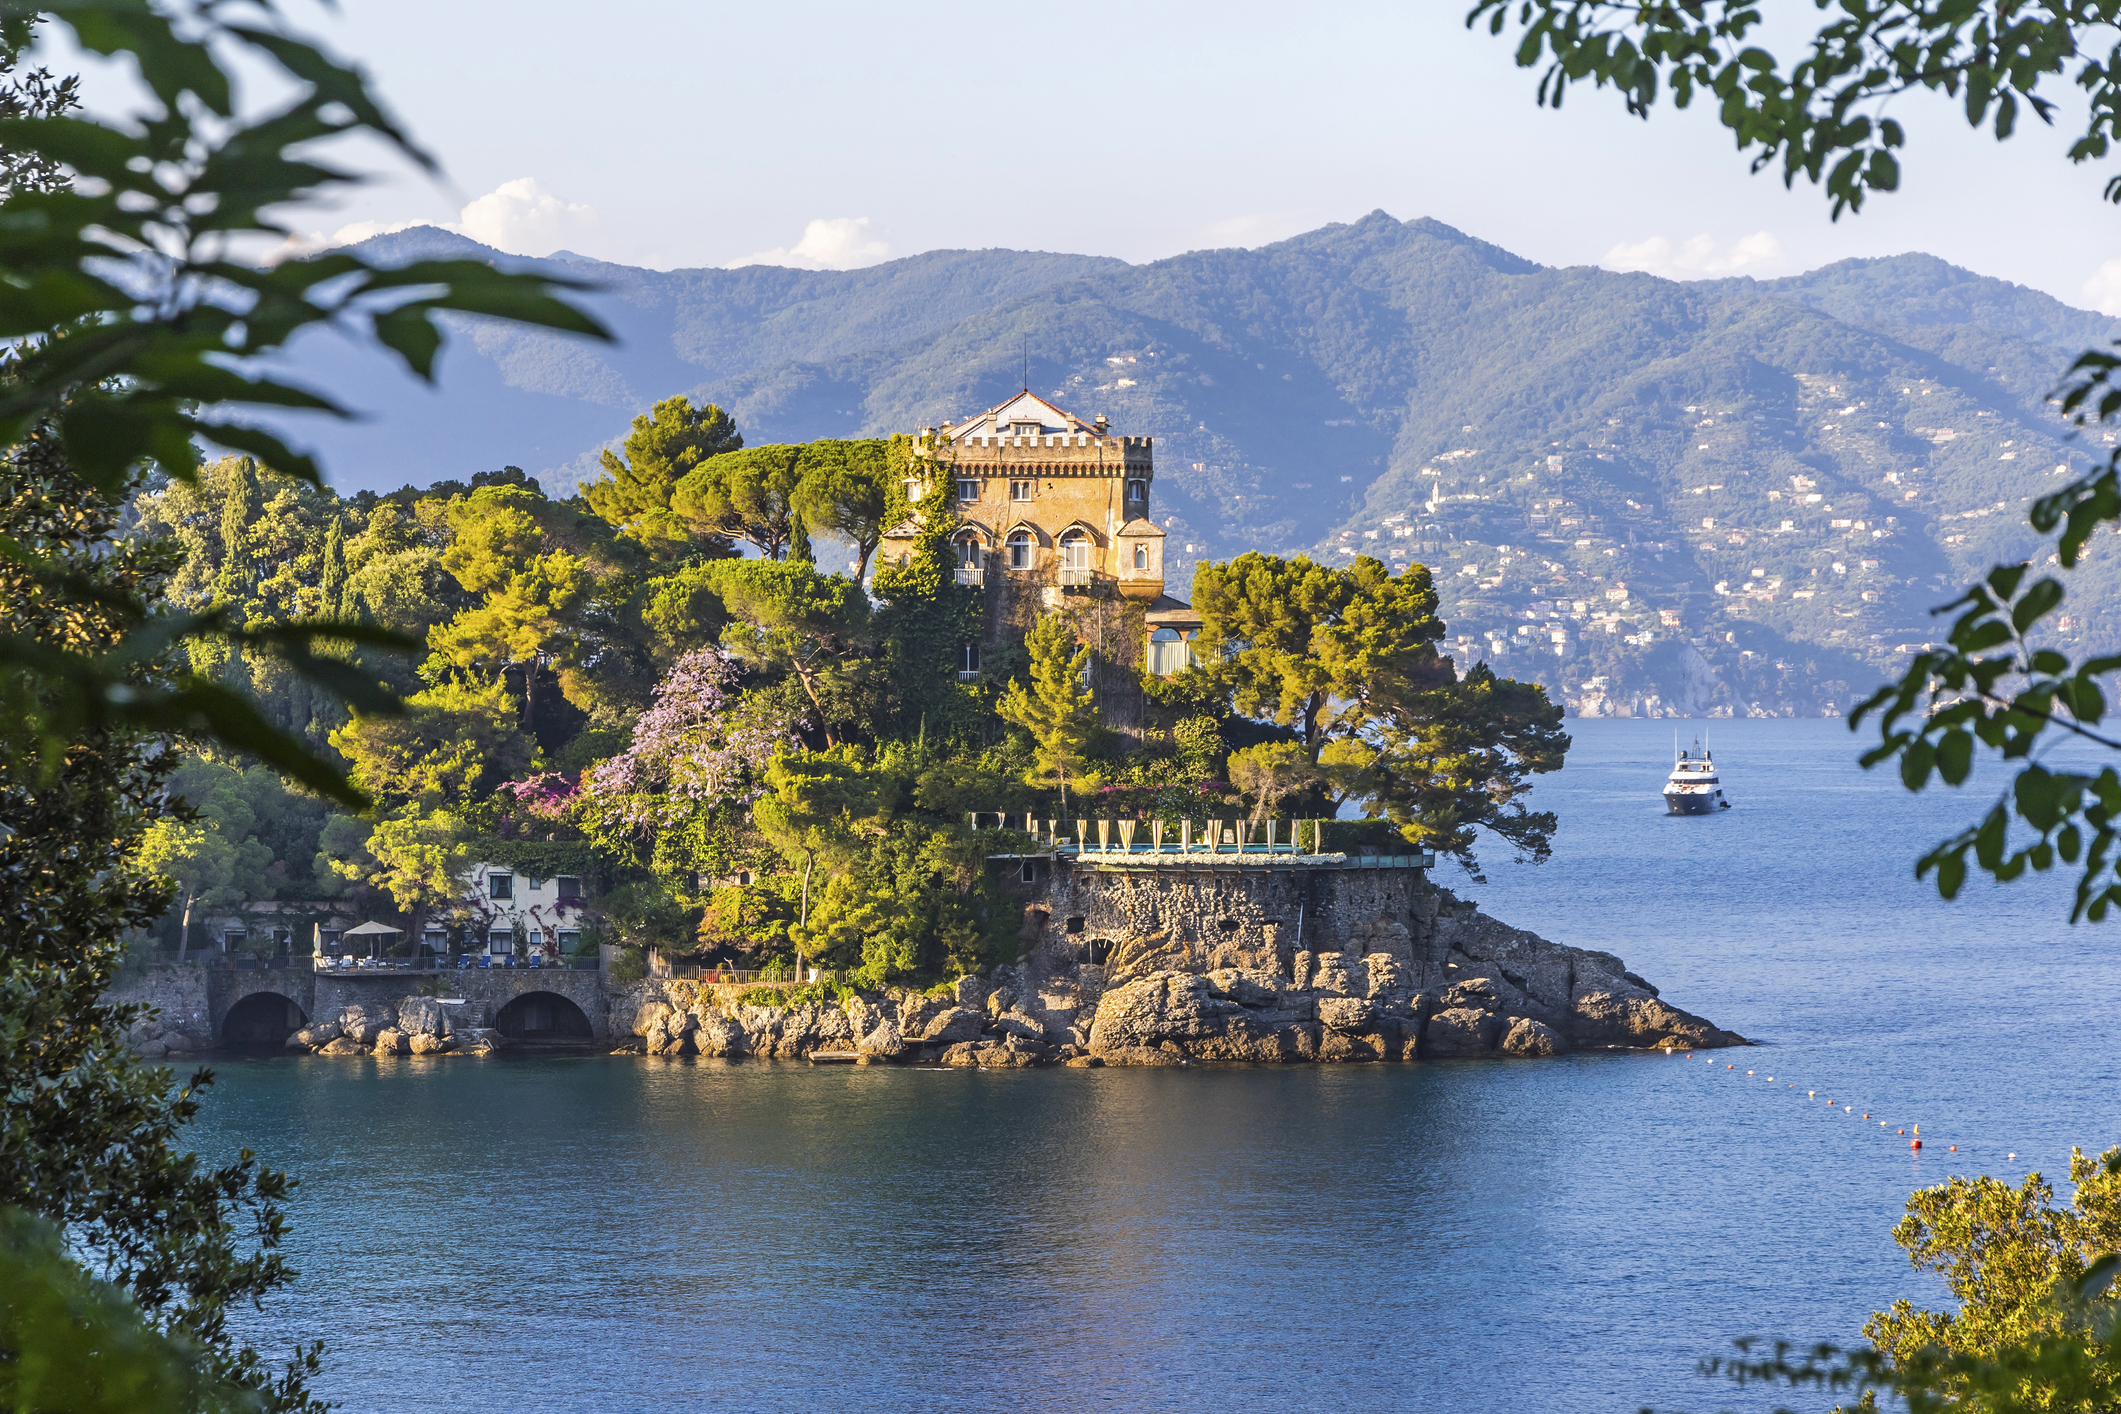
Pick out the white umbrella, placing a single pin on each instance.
(372, 931)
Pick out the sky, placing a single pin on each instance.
(832, 135)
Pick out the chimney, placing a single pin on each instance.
(1100, 422)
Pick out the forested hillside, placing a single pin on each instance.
(1727, 496)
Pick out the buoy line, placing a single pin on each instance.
(1911, 1132)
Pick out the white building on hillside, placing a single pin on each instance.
(509, 908)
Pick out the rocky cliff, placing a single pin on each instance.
(1494, 991)
(1441, 983)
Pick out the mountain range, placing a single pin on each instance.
(1735, 496)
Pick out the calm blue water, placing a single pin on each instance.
(614, 1235)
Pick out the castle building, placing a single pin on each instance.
(1054, 516)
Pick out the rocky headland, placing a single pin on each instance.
(1454, 983)
(1493, 991)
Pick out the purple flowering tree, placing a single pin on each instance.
(693, 748)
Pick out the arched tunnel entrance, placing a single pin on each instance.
(543, 1016)
(262, 1019)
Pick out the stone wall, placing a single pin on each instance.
(1204, 918)
(184, 1023)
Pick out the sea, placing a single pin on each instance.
(540, 1235)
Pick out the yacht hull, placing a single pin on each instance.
(1691, 804)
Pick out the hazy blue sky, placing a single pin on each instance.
(833, 133)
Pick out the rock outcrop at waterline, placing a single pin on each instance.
(412, 1026)
(1436, 985)
(1496, 991)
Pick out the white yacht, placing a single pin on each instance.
(1693, 788)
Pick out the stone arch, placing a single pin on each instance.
(262, 1019)
(543, 1016)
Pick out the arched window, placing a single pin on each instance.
(1075, 551)
(1137, 490)
(1141, 557)
(968, 551)
(1020, 544)
(1169, 653)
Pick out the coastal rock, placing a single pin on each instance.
(312, 1037)
(1139, 1055)
(941, 1023)
(1163, 1006)
(1248, 988)
(1634, 1018)
(1348, 1015)
(423, 1016)
(343, 1046)
(650, 1016)
(885, 1041)
(1522, 1036)
(1009, 1052)
(1019, 1024)
(718, 1035)
(390, 1042)
(364, 1030)
(1460, 1031)
(426, 1043)
(1329, 974)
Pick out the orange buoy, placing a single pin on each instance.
(1955, 1148)
(1914, 1144)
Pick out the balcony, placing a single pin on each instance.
(977, 578)
(1075, 578)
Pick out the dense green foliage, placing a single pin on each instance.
(90, 1138)
(2038, 1324)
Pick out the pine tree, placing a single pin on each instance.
(799, 541)
(333, 604)
(238, 513)
(1056, 709)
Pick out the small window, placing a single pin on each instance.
(501, 886)
(537, 939)
(1137, 490)
(1075, 551)
(434, 940)
(1075, 925)
(569, 941)
(533, 883)
(968, 552)
(743, 878)
(1141, 557)
(968, 490)
(1030, 872)
(914, 488)
(500, 942)
(968, 658)
(568, 887)
(1020, 545)
(234, 938)
(1023, 490)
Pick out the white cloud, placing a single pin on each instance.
(2103, 289)
(841, 243)
(1697, 259)
(519, 217)
(523, 218)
